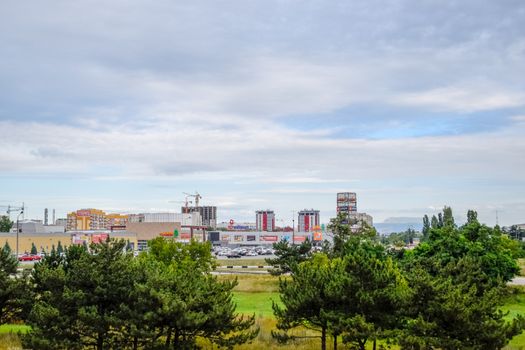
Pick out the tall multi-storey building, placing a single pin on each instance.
(265, 220)
(207, 213)
(346, 202)
(94, 219)
(308, 219)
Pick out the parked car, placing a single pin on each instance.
(234, 255)
(27, 257)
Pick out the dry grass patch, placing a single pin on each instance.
(521, 263)
(10, 341)
(254, 283)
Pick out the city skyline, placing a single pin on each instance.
(123, 106)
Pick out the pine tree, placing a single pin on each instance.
(34, 251)
(5, 224)
(187, 302)
(288, 256)
(304, 301)
(80, 298)
(12, 290)
(60, 249)
(356, 296)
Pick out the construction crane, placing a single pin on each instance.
(186, 202)
(197, 196)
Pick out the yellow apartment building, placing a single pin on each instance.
(94, 219)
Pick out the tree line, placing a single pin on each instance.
(444, 294)
(106, 299)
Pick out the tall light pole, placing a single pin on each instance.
(18, 230)
(293, 226)
(20, 211)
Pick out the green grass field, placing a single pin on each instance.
(13, 328)
(515, 304)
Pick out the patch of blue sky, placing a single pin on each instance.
(387, 122)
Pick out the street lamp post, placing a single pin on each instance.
(293, 227)
(18, 230)
(20, 211)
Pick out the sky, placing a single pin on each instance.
(271, 104)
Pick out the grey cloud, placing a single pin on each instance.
(266, 59)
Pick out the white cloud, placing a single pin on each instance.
(465, 99)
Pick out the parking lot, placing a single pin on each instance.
(242, 252)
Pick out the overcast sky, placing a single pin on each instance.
(123, 105)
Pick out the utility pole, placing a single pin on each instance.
(20, 211)
(293, 227)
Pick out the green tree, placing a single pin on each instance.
(358, 296)
(288, 255)
(472, 216)
(371, 294)
(426, 227)
(7, 247)
(8, 265)
(342, 233)
(81, 299)
(184, 302)
(60, 249)
(448, 217)
(434, 223)
(458, 276)
(34, 251)
(13, 288)
(440, 220)
(304, 298)
(452, 313)
(5, 223)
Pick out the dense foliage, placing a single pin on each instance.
(444, 294)
(458, 277)
(5, 223)
(105, 299)
(13, 297)
(287, 256)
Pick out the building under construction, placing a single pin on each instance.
(207, 213)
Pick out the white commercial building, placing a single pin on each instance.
(189, 219)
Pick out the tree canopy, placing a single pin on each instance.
(106, 299)
(5, 223)
(288, 256)
(458, 277)
(444, 294)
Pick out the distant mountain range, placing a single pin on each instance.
(398, 224)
